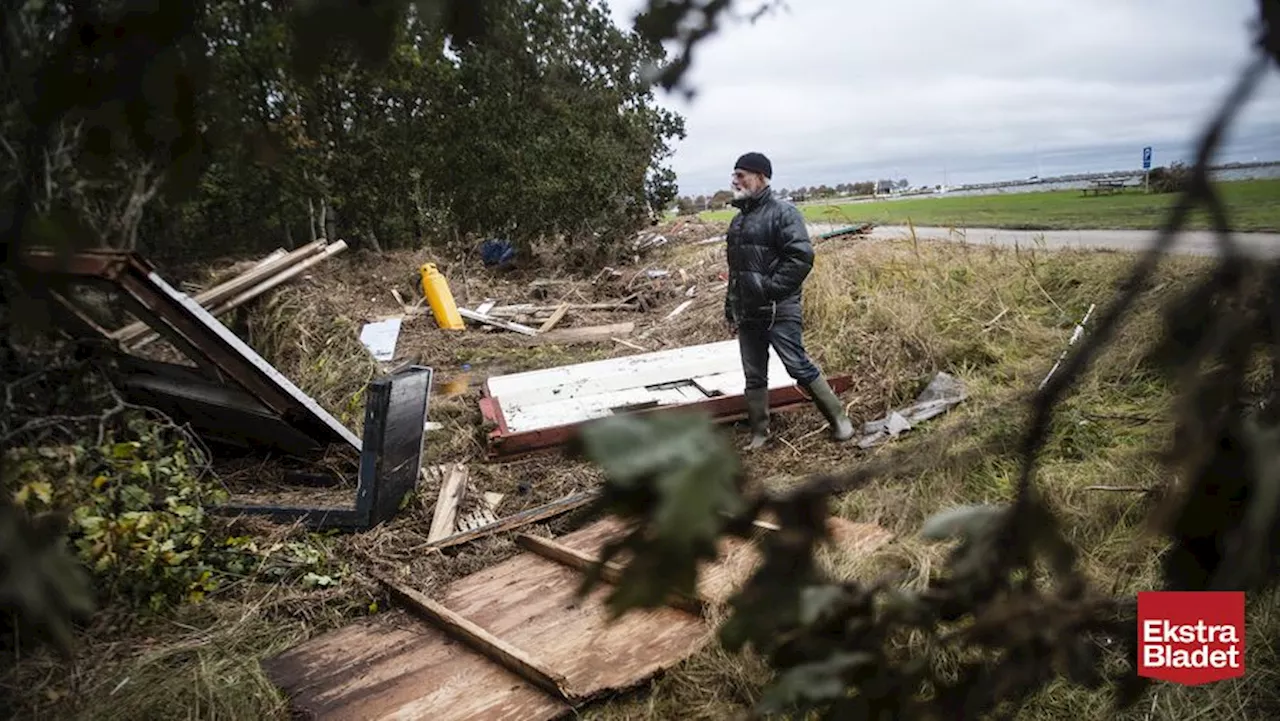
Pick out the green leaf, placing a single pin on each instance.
(125, 450)
(678, 476)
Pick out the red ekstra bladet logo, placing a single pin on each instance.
(1191, 637)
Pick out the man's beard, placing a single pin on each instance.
(742, 193)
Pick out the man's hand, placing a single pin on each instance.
(733, 327)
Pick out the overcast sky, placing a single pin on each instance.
(964, 90)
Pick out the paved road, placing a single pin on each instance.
(1193, 242)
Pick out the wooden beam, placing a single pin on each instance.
(244, 296)
(583, 562)
(265, 268)
(480, 640)
(518, 520)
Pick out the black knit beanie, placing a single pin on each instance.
(755, 163)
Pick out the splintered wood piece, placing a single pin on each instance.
(516, 520)
(555, 318)
(476, 519)
(452, 490)
(496, 322)
(583, 562)
(679, 309)
(480, 640)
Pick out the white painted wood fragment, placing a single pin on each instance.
(454, 487)
(380, 338)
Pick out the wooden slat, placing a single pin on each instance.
(479, 640)
(555, 318)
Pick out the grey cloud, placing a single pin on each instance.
(851, 90)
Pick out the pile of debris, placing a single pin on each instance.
(231, 395)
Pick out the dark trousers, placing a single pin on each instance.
(785, 337)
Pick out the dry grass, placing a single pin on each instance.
(889, 314)
(893, 314)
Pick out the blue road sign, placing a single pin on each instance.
(1146, 158)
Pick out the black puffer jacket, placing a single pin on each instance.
(769, 257)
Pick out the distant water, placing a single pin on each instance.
(1221, 175)
(1255, 172)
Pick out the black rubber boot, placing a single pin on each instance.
(829, 404)
(758, 418)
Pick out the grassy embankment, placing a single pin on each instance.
(890, 314)
(1252, 205)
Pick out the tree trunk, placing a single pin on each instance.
(328, 221)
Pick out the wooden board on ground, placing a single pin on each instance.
(394, 666)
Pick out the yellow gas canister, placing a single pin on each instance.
(436, 289)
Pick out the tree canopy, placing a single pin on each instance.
(230, 126)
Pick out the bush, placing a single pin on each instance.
(1174, 179)
(137, 508)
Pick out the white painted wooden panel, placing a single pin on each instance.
(677, 369)
(576, 410)
(576, 393)
(733, 383)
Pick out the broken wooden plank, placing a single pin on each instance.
(496, 322)
(532, 603)
(486, 307)
(555, 318)
(393, 666)
(479, 640)
(584, 562)
(518, 520)
(452, 490)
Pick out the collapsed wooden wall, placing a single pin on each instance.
(396, 665)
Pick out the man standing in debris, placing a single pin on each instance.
(770, 256)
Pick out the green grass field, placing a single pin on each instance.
(1252, 205)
